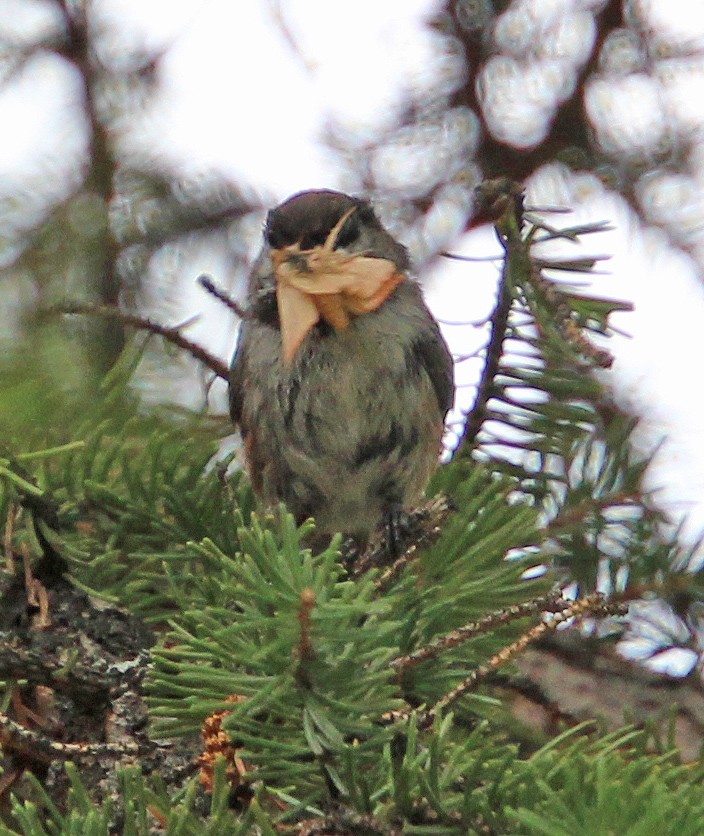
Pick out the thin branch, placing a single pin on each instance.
(458, 257)
(548, 603)
(39, 747)
(595, 605)
(100, 176)
(171, 334)
(208, 284)
(504, 200)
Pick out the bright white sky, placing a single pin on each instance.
(225, 59)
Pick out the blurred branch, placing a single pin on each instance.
(569, 128)
(100, 177)
(171, 334)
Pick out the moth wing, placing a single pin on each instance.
(297, 315)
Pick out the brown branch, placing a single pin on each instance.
(104, 250)
(569, 678)
(39, 747)
(208, 284)
(547, 603)
(569, 127)
(591, 605)
(494, 350)
(171, 334)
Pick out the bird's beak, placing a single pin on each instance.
(324, 283)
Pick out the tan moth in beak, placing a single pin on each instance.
(323, 282)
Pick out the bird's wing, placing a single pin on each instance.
(431, 353)
(237, 374)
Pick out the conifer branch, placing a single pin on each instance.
(494, 350)
(508, 200)
(562, 315)
(595, 605)
(553, 603)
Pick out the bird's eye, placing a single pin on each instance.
(313, 238)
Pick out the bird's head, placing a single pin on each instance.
(331, 259)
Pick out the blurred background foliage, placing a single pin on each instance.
(534, 91)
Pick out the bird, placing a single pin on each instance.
(341, 379)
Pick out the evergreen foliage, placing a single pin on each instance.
(305, 660)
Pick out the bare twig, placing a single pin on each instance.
(39, 747)
(548, 603)
(171, 334)
(208, 284)
(591, 605)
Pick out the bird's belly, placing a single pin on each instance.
(345, 448)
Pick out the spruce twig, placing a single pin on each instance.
(595, 605)
(553, 603)
(509, 235)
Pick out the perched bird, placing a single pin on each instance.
(341, 379)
